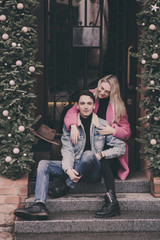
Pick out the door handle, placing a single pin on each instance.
(129, 67)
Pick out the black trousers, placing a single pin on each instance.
(109, 168)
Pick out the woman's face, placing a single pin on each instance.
(104, 90)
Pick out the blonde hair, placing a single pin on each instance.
(117, 103)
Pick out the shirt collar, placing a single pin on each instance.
(94, 121)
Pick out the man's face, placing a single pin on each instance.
(85, 106)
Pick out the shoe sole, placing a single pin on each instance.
(109, 215)
(28, 216)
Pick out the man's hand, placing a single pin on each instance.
(107, 130)
(99, 155)
(73, 174)
(74, 134)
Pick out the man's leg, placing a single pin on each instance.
(45, 168)
(88, 166)
(38, 210)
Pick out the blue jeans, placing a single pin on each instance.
(88, 166)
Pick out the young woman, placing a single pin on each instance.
(109, 106)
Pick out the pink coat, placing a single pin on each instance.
(123, 132)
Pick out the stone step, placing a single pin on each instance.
(93, 202)
(137, 182)
(90, 236)
(86, 222)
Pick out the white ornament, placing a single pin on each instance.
(9, 134)
(21, 128)
(5, 36)
(20, 6)
(152, 27)
(18, 63)
(16, 150)
(143, 24)
(156, 45)
(155, 55)
(12, 82)
(153, 142)
(24, 154)
(8, 159)
(143, 61)
(14, 44)
(19, 44)
(32, 69)
(156, 118)
(5, 113)
(154, 7)
(25, 29)
(5, 64)
(3, 18)
(9, 117)
(152, 82)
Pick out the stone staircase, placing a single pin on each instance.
(72, 216)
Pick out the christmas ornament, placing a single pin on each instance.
(25, 29)
(14, 44)
(156, 118)
(5, 113)
(5, 64)
(8, 117)
(19, 44)
(18, 63)
(153, 142)
(8, 159)
(143, 24)
(9, 134)
(21, 128)
(158, 99)
(3, 18)
(20, 6)
(155, 55)
(24, 154)
(154, 7)
(32, 69)
(156, 45)
(5, 36)
(16, 150)
(12, 82)
(152, 27)
(143, 61)
(152, 82)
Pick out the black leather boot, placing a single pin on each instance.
(110, 208)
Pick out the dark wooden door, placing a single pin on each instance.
(68, 68)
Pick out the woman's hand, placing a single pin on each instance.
(107, 130)
(74, 134)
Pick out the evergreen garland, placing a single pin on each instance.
(149, 57)
(18, 70)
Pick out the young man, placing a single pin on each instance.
(82, 159)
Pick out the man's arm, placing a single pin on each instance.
(67, 150)
(68, 156)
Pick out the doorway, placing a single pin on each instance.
(72, 62)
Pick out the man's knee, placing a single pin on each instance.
(88, 154)
(42, 166)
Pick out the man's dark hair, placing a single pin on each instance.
(86, 93)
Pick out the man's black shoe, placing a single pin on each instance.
(59, 191)
(37, 211)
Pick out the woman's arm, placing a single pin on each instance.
(71, 117)
(122, 129)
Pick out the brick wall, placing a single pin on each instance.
(12, 195)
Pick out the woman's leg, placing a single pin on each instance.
(111, 206)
